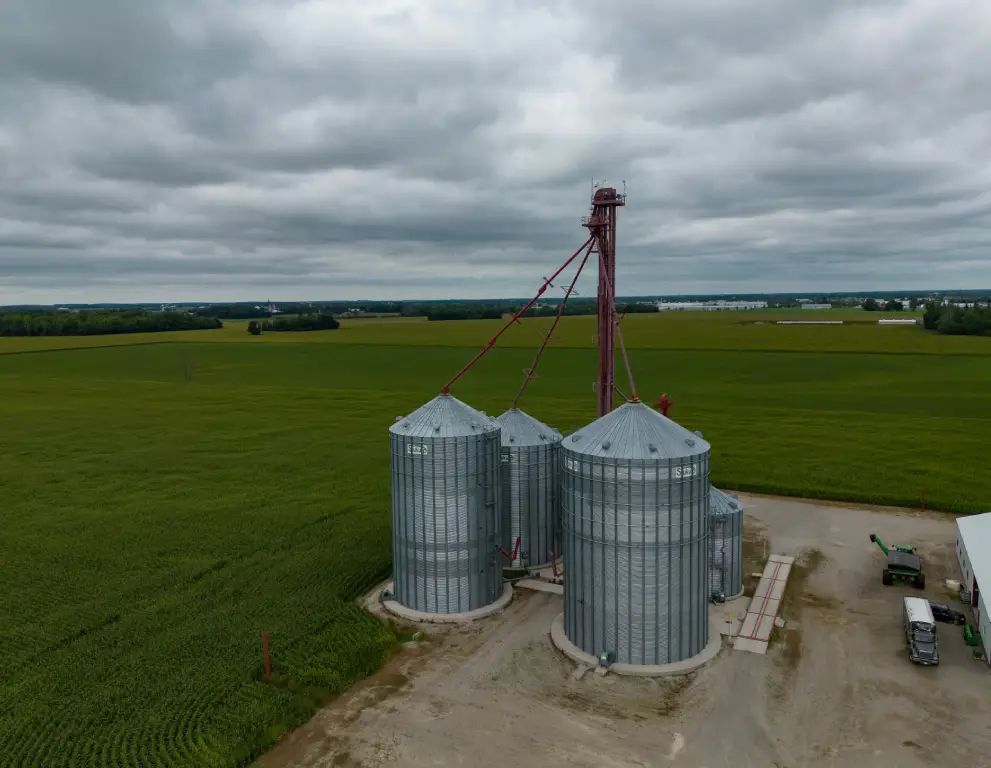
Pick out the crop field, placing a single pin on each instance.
(731, 331)
(166, 503)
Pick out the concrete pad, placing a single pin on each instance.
(759, 623)
(765, 626)
(770, 589)
(787, 559)
(746, 644)
(409, 614)
(573, 652)
(541, 586)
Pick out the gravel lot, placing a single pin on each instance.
(835, 689)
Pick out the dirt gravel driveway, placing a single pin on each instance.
(835, 689)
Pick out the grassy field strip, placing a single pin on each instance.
(712, 331)
(24, 345)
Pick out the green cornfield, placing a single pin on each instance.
(169, 497)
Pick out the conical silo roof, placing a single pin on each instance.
(636, 431)
(722, 503)
(520, 429)
(444, 416)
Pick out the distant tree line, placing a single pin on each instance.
(636, 308)
(260, 311)
(872, 305)
(232, 312)
(248, 311)
(791, 302)
(432, 310)
(958, 321)
(312, 321)
(477, 311)
(467, 311)
(99, 323)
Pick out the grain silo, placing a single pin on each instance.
(446, 508)
(530, 510)
(635, 503)
(725, 545)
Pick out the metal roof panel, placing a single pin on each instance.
(722, 503)
(636, 431)
(444, 416)
(521, 429)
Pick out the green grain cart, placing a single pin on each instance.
(903, 565)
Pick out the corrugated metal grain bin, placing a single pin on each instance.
(530, 456)
(635, 504)
(446, 508)
(725, 545)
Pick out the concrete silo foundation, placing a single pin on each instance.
(683, 667)
(422, 617)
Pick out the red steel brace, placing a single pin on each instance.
(550, 331)
(514, 319)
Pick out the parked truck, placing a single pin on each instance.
(920, 631)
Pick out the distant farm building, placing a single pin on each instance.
(709, 306)
(817, 306)
(897, 321)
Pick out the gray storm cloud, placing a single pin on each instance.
(193, 149)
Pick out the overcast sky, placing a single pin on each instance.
(208, 150)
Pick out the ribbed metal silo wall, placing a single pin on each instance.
(736, 565)
(734, 550)
(636, 557)
(717, 555)
(726, 553)
(446, 522)
(530, 502)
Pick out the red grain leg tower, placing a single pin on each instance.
(601, 224)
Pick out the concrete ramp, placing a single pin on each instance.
(758, 624)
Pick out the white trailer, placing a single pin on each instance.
(920, 631)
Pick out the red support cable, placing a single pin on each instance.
(514, 319)
(626, 362)
(619, 334)
(550, 331)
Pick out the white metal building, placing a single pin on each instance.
(710, 306)
(974, 557)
